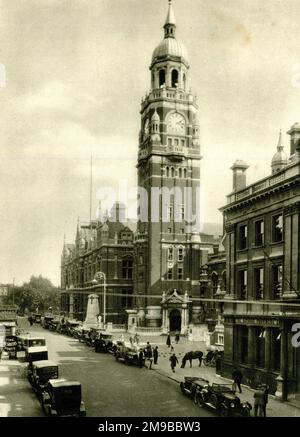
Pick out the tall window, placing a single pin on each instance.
(180, 254)
(127, 269)
(170, 254)
(259, 233)
(174, 78)
(277, 228)
(260, 347)
(259, 283)
(162, 77)
(126, 299)
(180, 273)
(170, 212)
(243, 233)
(244, 344)
(170, 273)
(242, 284)
(276, 281)
(276, 337)
(167, 172)
(180, 172)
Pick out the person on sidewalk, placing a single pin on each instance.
(150, 358)
(259, 402)
(141, 358)
(177, 337)
(173, 360)
(155, 355)
(237, 377)
(168, 340)
(266, 399)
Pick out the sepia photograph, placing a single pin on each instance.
(149, 211)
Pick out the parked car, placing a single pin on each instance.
(191, 384)
(103, 343)
(72, 327)
(34, 347)
(46, 320)
(62, 398)
(37, 318)
(128, 353)
(39, 373)
(53, 324)
(222, 399)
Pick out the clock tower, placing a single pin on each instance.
(169, 180)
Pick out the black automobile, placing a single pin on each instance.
(46, 321)
(103, 343)
(37, 318)
(222, 399)
(39, 373)
(63, 398)
(191, 384)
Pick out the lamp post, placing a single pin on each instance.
(97, 278)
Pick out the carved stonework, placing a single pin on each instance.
(294, 208)
(229, 227)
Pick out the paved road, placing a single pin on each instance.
(115, 389)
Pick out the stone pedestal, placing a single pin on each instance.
(153, 316)
(92, 311)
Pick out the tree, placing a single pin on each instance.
(37, 294)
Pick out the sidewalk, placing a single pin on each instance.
(275, 408)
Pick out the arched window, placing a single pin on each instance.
(172, 172)
(174, 78)
(167, 172)
(180, 172)
(162, 77)
(184, 172)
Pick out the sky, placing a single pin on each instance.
(75, 73)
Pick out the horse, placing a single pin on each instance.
(192, 355)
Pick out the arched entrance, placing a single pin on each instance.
(175, 320)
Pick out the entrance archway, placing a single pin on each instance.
(175, 320)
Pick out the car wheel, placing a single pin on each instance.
(198, 399)
(245, 412)
(223, 411)
(182, 387)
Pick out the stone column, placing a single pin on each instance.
(230, 260)
(281, 392)
(252, 346)
(71, 305)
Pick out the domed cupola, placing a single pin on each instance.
(279, 160)
(166, 55)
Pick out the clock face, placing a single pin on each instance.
(176, 124)
(146, 126)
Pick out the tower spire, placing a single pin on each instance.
(280, 143)
(170, 24)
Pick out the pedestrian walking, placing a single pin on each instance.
(177, 337)
(155, 355)
(173, 360)
(150, 358)
(259, 402)
(168, 340)
(266, 399)
(237, 377)
(141, 358)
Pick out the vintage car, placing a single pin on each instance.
(34, 347)
(128, 353)
(62, 398)
(103, 343)
(39, 373)
(46, 320)
(191, 384)
(72, 327)
(222, 399)
(53, 324)
(85, 335)
(37, 318)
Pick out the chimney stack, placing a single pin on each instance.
(239, 175)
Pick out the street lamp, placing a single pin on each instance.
(97, 278)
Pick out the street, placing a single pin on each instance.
(109, 388)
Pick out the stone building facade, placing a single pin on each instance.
(262, 264)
